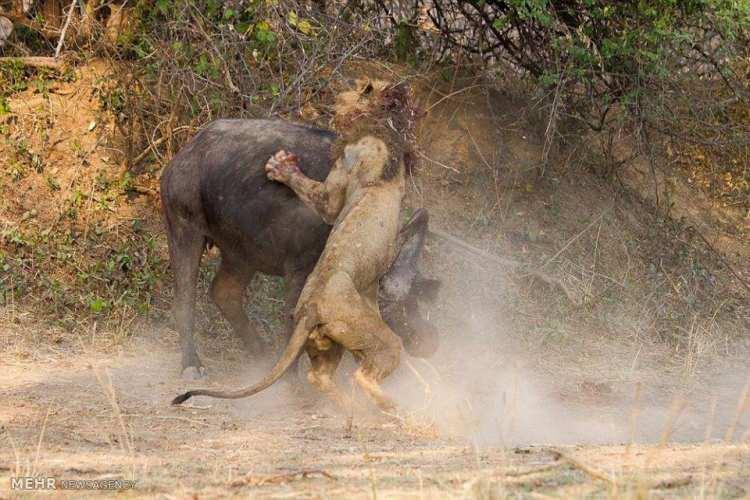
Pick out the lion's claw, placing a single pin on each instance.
(281, 166)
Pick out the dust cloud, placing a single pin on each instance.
(486, 385)
(497, 396)
(494, 385)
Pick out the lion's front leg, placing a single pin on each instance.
(325, 198)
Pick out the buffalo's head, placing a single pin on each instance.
(403, 287)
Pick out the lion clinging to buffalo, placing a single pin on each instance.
(365, 256)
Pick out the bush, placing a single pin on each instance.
(600, 51)
(191, 62)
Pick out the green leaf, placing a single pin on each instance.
(206, 67)
(500, 23)
(291, 18)
(305, 27)
(163, 6)
(264, 34)
(4, 106)
(97, 304)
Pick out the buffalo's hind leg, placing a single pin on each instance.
(186, 247)
(228, 293)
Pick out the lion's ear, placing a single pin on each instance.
(367, 90)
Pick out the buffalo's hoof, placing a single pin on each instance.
(194, 373)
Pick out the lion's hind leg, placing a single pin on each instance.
(376, 364)
(378, 351)
(349, 319)
(325, 356)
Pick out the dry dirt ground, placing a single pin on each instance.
(82, 412)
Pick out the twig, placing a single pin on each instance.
(528, 472)
(12, 441)
(449, 96)
(421, 379)
(723, 260)
(437, 162)
(551, 126)
(574, 238)
(251, 480)
(585, 468)
(472, 249)
(65, 29)
(479, 151)
(144, 190)
(34, 61)
(41, 437)
(169, 417)
(189, 406)
(158, 141)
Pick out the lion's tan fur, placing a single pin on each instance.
(341, 292)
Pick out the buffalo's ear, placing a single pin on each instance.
(398, 281)
(426, 288)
